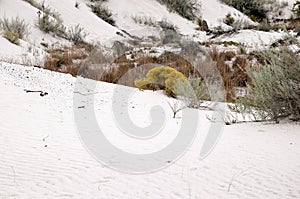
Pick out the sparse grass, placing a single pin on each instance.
(164, 24)
(77, 35)
(14, 29)
(232, 76)
(144, 20)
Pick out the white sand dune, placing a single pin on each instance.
(42, 155)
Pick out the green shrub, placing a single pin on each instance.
(275, 88)
(14, 28)
(185, 8)
(174, 83)
(103, 12)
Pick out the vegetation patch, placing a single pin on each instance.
(185, 8)
(275, 88)
(165, 78)
(14, 29)
(103, 12)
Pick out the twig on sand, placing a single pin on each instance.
(42, 93)
(87, 94)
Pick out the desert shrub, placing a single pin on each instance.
(49, 24)
(296, 8)
(103, 12)
(275, 88)
(185, 8)
(166, 78)
(14, 29)
(77, 35)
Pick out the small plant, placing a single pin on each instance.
(229, 20)
(176, 108)
(103, 12)
(14, 29)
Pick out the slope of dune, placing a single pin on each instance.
(42, 154)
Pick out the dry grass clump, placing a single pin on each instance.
(234, 75)
(66, 59)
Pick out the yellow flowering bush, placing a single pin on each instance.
(165, 78)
